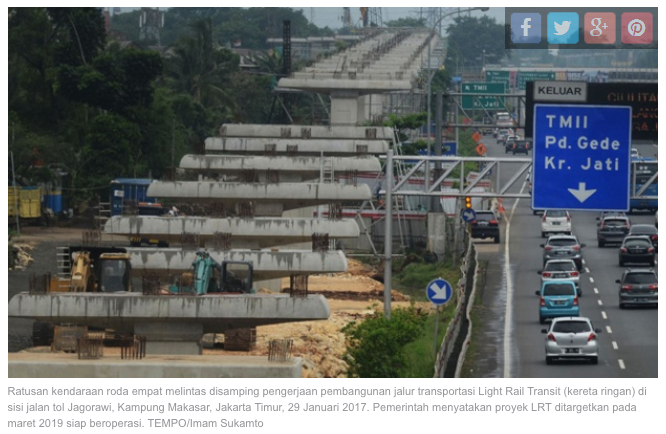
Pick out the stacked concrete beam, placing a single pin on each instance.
(301, 166)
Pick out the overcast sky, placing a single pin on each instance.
(331, 16)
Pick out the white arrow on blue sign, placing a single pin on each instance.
(582, 157)
(439, 291)
(469, 215)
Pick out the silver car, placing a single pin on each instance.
(570, 338)
(561, 269)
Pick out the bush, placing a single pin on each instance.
(376, 346)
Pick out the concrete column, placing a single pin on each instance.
(164, 337)
(437, 234)
(344, 108)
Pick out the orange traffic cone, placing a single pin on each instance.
(500, 206)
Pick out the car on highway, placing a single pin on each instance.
(519, 146)
(610, 214)
(638, 286)
(635, 153)
(561, 269)
(571, 338)
(636, 249)
(503, 134)
(563, 247)
(649, 230)
(486, 225)
(555, 221)
(612, 229)
(556, 299)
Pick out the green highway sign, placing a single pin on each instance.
(524, 76)
(483, 102)
(498, 77)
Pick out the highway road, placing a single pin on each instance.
(512, 344)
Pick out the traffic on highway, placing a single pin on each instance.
(566, 295)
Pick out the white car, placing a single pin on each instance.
(634, 153)
(572, 337)
(555, 221)
(561, 269)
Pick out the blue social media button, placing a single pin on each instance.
(526, 28)
(562, 28)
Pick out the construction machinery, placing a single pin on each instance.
(208, 276)
(94, 269)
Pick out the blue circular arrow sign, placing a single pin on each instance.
(439, 291)
(469, 215)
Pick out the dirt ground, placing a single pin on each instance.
(320, 344)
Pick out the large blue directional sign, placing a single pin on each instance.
(582, 156)
(439, 291)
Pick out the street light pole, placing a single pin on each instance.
(431, 74)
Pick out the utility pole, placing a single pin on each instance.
(434, 205)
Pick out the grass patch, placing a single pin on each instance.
(414, 278)
(476, 317)
(421, 354)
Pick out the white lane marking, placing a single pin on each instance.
(603, 314)
(587, 270)
(621, 363)
(614, 345)
(608, 330)
(601, 303)
(508, 317)
(591, 279)
(596, 291)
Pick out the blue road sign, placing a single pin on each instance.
(582, 155)
(469, 215)
(439, 291)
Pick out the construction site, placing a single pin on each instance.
(263, 273)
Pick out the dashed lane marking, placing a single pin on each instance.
(614, 345)
(591, 279)
(603, 315)
(608, 330)
(621, 363)
(596, 291)
(601, 303)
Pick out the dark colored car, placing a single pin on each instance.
(563, 247)
(638, 286)
(636, 249)
(649, 230)
(486, 225)
(519, 147)
(612, 229)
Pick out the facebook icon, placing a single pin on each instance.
(526, 28)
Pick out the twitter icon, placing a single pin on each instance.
(562, 28)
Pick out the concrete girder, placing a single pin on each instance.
(125, 311)
(363, 86)
(262, 232)
(308, 167)
(305, 132)
(287, 195)
(267, 264)
(314, 147)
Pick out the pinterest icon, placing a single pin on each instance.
(636, 28)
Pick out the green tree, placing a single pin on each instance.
(477, 40)
(201, 68)
(375, 346)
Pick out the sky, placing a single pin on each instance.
(331, 16)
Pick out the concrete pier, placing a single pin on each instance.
(335, 147)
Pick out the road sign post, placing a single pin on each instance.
(581, 157)
(485, 102)
(439, 292)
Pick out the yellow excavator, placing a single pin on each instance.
(96, 269)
